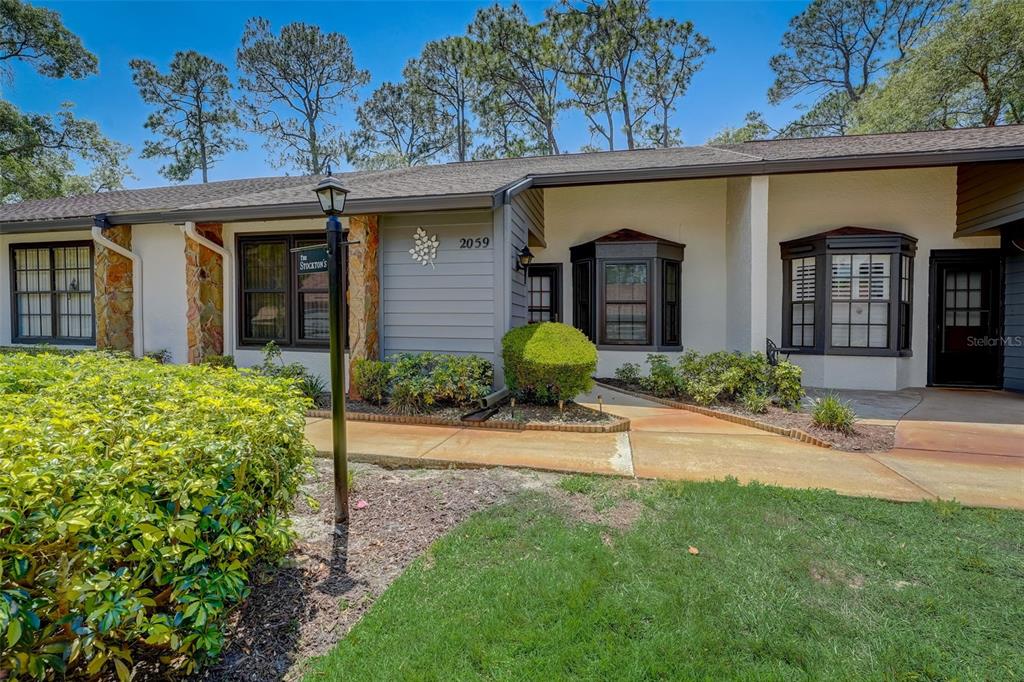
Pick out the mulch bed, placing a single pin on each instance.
(864, 438)
(574, 413)
(305, 607)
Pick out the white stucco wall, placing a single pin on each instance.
(162, 248)
(691, 212)
(918, 202)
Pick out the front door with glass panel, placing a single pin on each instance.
(544, 297)
(965, 339)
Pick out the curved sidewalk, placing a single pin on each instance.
(675, 444)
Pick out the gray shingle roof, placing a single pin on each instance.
(489, 177)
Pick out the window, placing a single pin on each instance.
(627, 291)
(626, 297)
(543, 284)
(671, 327)
(276, 302)
(849, 291)
(52, 296)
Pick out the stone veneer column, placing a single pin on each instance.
(112, 287)
(204, 295)
(363, 287)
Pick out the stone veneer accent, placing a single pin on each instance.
(363, 287)
(204, 295)
(112, 284)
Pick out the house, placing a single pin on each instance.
(877, 261)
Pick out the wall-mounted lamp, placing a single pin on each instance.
(524, 258)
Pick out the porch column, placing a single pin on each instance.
(747, 262)
(112, 293)
(363, 287)
(204, 295)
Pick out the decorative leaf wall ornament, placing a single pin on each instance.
(424, 249)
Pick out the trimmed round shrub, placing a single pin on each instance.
(548, 362)
(135, 500)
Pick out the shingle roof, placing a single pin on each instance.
(488, 177)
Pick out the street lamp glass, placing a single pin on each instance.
(331, 195)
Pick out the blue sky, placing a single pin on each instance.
(383, 36)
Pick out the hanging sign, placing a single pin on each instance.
(312, 259)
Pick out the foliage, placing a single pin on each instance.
(399, 126)
(548, 362)
(786, 384)
(135, 499)
(836, 49)
(312, 386)
(662, 379)
(754, 128)
(970, 72)
(755, 403)
(219, 360)
(39, 152)
(578, 484)
(421, 380)
(162, 356)
(789, 584)
(371, 379)
(830, 412)
(293, 84)
(195, 113)
(628, 372)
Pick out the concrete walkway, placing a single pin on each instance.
(675, 444)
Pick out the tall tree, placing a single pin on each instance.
(754, 128)
(399, 126)
(446, 70)
(40, 153)
(970, 72)
(505, 130)
(293, 84)
(522, 62)
(195, 115)
(836, 49)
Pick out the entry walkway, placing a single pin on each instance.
(675, 444)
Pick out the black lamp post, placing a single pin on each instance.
(332, 200)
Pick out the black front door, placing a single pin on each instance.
(966, 290)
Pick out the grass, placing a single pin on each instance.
(788, 585)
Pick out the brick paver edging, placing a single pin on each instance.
(789, 432)
(619, 425)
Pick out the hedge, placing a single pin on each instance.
(135, 498)
(548, 362)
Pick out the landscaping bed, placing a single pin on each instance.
(863, 438)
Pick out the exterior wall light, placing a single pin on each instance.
(524, 258)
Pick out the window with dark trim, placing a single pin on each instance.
(627, 291)
(52, 293)
(276, 303)
(543, 291)
(848, 292)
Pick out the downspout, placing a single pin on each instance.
(99, 223)
(228, 329)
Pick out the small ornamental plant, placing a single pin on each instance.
(830, 412)
(548, 362)
(136, 499)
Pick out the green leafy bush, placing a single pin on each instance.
(786, 384)
(421, 380)
(371, 378)
(628, 372)
(135, 499)
(219, 360)
(548, 362)
(754, 402)
(311, 385)
(832, 413)
(662, 379)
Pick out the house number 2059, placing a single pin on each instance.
(474, 243)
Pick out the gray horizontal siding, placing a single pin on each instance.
(445, 308)
(1013, 317)
(525, 217)
(989, 195)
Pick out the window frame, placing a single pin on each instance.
(293, 315)
(54, 338)
(850, 242)
(677, 339)
(555, 306)
(648, 303)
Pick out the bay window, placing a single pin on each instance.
(627, 291)
(848, 292)
(52, 293)
(276, 302)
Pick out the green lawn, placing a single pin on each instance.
(788, 585)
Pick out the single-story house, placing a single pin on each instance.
(875, 261)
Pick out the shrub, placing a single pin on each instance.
(628, 372)
(755, 403)
(135, 498)
(548, 362)
(786, 384)
(410, 396)
(662, 379)
(832, 413)
(371, 378)
(455, 380)
(311, 385)
(219, 360)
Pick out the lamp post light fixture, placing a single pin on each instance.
(524, 258)
(331, 195)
